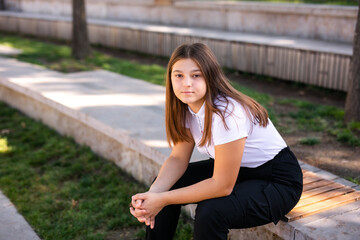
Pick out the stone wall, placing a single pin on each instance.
(322, 22)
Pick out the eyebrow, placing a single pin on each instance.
(195, 70)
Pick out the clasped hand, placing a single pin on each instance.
(145, 206)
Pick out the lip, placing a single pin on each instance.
(187, 92)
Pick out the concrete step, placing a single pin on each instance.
(251, 38)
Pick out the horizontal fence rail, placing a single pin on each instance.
(320, 68)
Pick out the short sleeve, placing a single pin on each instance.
(238, 125)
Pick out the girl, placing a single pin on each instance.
(251, 177)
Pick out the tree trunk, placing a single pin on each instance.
(352, 105)
(80, 40)
(2, 4)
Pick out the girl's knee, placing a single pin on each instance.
(209, 222)
(208, 211)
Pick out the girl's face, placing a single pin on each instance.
(188, 83)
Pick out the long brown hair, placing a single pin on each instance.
(217, 85)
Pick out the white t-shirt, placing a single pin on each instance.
(262, 143)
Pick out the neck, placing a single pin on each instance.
(196, 107)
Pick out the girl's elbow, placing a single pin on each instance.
(227, 191)
(224, 189)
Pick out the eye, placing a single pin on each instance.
(197, 75)
(178, 75)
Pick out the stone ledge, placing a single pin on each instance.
(250, 38)
(133, 156)
(266, 7)
(324, 22)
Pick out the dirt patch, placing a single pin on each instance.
(329, 154)
(287, 89)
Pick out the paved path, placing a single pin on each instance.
(135, 108)
(12, 225)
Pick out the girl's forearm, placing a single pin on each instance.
(206, 189)
(170, 172)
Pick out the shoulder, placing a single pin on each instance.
(231, 124)
(229, 107)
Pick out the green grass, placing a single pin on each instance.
(58, 57)
(64, 190)
(354, 180)
(315, 117)
(264, 99)
(310, 141)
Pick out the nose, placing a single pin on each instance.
(187, 81)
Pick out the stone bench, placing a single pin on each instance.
(316, 62)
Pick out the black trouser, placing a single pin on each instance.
(261, 195)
